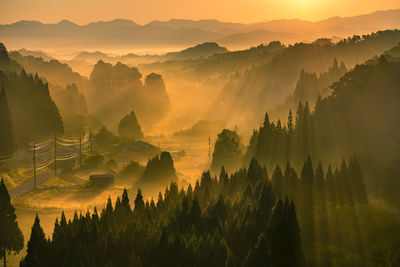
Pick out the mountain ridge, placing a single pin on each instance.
(180, 33)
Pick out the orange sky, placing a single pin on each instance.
(143, 11)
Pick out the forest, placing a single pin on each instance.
(283, 153)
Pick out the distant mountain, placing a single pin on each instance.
(35, 53)
(339, 26)
(256, 37)
(179, 33)
(206, 25)
(194, 52)
(200, 50)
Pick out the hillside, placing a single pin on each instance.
(33, 112)
(53, 70)
(267, 85)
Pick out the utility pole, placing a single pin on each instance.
(34, 166)
(55, 155)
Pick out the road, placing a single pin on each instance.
(28, 185)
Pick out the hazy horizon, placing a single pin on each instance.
(199, 133)
(196, 19)
(144, 13)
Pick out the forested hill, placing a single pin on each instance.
(359, 118)
(362, 117)
(53, 70)
(32, 111)
(269, 84)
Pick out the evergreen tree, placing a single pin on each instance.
(252, 147)
(129, 127)
(256, 173)
(319, 186)
(37, 248)
(264, 150)
(357, 182)
(346, 184)
(11, 238)
(277, 181)
(227, 151)
(284, 236)
(139, 203)
(160, 168)
(330, 186)
(290, 129)
(307, 186)
(259, 255)
(7, 138)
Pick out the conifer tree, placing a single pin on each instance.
(338, 185)
(11, 238)
(129, 127)
(259, 255)
(139, 203)
(265, 142)
(37, 246)
(256, 172)
(227, 151)
(284, 236)
(7, 138)
(307, 181)
(357, 182)
(330, 186)
(319, 186)
(277, 182)
(289, 142)
(346, 184)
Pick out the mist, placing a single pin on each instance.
(206, 140)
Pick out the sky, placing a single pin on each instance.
(144, 11)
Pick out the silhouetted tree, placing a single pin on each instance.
(129, 127)
(11, 238)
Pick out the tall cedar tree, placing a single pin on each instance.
(37, 247)
(11, 238)
(7, 138)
